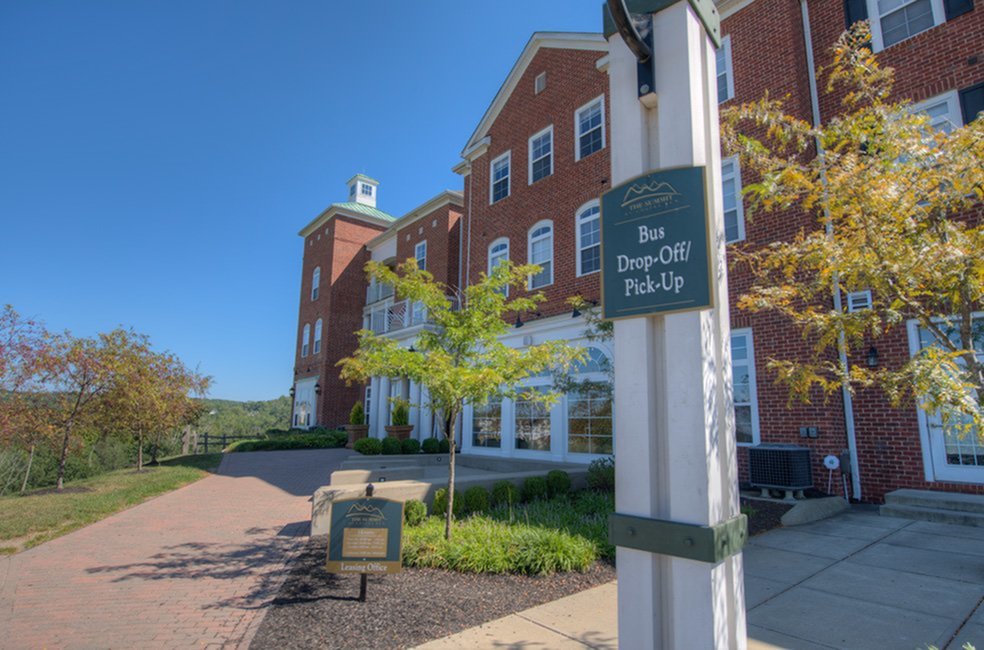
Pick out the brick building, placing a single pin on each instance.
(532, 173)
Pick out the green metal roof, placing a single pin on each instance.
(362, 208)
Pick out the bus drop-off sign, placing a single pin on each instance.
(654, 245)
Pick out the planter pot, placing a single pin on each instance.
(356, 431)
(400, 431)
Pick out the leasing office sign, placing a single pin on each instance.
(655, 245)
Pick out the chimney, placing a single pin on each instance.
(363, 189)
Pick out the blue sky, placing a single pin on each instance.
(157, 158)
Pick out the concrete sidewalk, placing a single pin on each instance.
(857, 580)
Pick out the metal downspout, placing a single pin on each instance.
(829, 226)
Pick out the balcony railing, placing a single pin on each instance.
(378, 293)
(396, 316)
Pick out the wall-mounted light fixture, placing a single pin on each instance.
(317, 388)
(519, 322)
(292, 392)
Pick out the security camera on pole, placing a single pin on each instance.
(677, 526)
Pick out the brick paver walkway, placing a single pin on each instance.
(194, 568)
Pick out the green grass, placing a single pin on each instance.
(563, 534)
(332, 439)
(39, 516)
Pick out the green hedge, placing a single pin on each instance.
(368, 446)
(328, 440)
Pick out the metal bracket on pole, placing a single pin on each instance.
(705, 10)
(693, 542)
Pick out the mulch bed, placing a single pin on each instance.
(316, 609)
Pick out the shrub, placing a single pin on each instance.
(534, 488)
(476, 499)
(414, 512)
(337, 439)
(558, 483)
(368, 446)
(483, 545)
(601, 474)
(357, 415)
(410, 446)
(391, 445)
(430, 446)
(275, 432)
(401, 412)
(328, 440)
(318, 431)
(504, 493)
(443, 446)
(441, 503)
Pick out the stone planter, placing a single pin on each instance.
(356, 431)
(401, 431)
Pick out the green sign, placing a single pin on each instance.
(365, 536)
(654, 245)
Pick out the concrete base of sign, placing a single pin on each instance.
(420, 476)
(810, 510)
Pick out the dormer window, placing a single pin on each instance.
(366, 190)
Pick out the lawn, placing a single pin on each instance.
(39, 516)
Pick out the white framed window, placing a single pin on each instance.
(744, 394)
(589, 128)
(734, 212)
(943, 111)
(541, 253)
(499, 177)
(315, 283)
(352, 191)
(317, 336)
(725, 73)
(588, 238)
(368, 401)
(487, 424)
(305, 340)
(499, 254)
(532, 422)
(420, 252)
(541, 155)
(893, 21)
(589, 408)
(366, 190)
(858, 300)
(540, 83)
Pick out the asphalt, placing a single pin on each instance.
(856, 580)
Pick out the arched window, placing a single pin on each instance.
(317, 336)
(588, 239)
(540, 252)
(305, 340)
(315, 283)
(499, 253)
(590, 427)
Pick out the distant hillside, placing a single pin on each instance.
(222, 416)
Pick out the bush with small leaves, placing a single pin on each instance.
(558, 483)
(601, 474)
(504, 493)
(430, 446)
(368, 446)
(392, 445)
(441, 503)
(476, 499)
(534, 488)
(357, 415)
(410, 446)
(443, 446)
(414, 512)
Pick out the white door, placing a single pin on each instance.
(949, 453)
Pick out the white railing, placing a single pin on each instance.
(395, 316)
(378, 292)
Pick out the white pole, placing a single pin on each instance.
(675, 445)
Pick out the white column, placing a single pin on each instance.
(426, 419)
(382, 413)
(415, 408)
(675, 443)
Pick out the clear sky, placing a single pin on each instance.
(157, 158)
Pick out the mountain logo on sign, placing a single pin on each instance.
(365, 511)
(657, 191)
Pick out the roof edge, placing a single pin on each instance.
(438, 201)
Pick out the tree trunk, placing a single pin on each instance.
(449, 433)
(27, 474)
(140, 450)
(157, 444)
(64, 455)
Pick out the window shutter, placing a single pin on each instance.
(956, 8)
(855, 10)
(972, 102)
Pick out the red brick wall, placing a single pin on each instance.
(438, 228)
(572, 81)
(339, 249)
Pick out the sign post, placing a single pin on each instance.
(365, 535)
(678, 527)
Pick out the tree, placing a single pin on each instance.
(25, 358)
(891, 195)
(461, 360)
